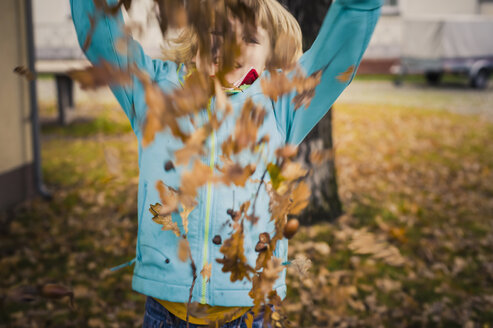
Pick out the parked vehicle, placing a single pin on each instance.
(459, 44)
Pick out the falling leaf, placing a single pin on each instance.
(293, 171)
(183, 250)
(249, 320)
(234, 259)
(26, 72)
(301, 264)
(165, 220)
(206, 271)
(300, 198)
(169, 199)
(193, 147)
(275, 175)
(344, 77)
(192, 180)
(319, 156)
(184, 216)
(287, 151)
(233, 172)
(100, 75)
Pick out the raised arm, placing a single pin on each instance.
(337, 51)
(107, 30)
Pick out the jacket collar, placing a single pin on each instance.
(239, 86)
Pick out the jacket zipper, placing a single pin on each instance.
(208, 205)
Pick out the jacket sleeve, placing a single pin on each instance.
(337, 51)
(107, 31)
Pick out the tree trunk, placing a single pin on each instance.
(325, 204)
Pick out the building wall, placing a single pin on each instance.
(486, 9)
(424, 7)
(15, 124)
(56, 38)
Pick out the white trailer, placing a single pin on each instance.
(459, 44)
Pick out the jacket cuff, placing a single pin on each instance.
(361, 4)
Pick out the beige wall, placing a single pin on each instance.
(419, 7)
(15, 127)
(486, 9)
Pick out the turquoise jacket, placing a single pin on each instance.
(158, 272)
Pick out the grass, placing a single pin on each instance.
(413, 78)
(104, 123)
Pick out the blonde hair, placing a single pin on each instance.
(272, 16)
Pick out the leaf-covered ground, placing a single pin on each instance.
(412, 250)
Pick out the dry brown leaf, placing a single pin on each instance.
(184, 216)
(165, 220)
(169, 199)
(194, 146)
(292, 171)
(206, 271)
(301, 264)
(233, 172)
(300, 198)
(183, 250)
(192, 180)
(103, 74)
(234, 259)
(345, 76)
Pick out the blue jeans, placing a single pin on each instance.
(156, 316)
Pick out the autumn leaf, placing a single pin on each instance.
(165, 220)
(275, 175)
(103, 74)
(286, 152)
(263, 282)
(277, 85)
(56, 291)
(301, 264)
(184, 216)
(300, 198)
(234, 260)
(319, 156)
(293, 171)
(206, 271)
(26, 72)
(345, 76)
(233, 172)
(249, 320)
(193, 179)
(169, 198)
(364, 242)
(306, 90)
(183, 249)
(246, 129)
(193, 146)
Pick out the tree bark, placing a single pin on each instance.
(325, 204)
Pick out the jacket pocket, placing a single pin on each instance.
(141, 216)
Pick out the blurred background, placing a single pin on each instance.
(400, 225)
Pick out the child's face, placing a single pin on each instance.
(255, 51)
